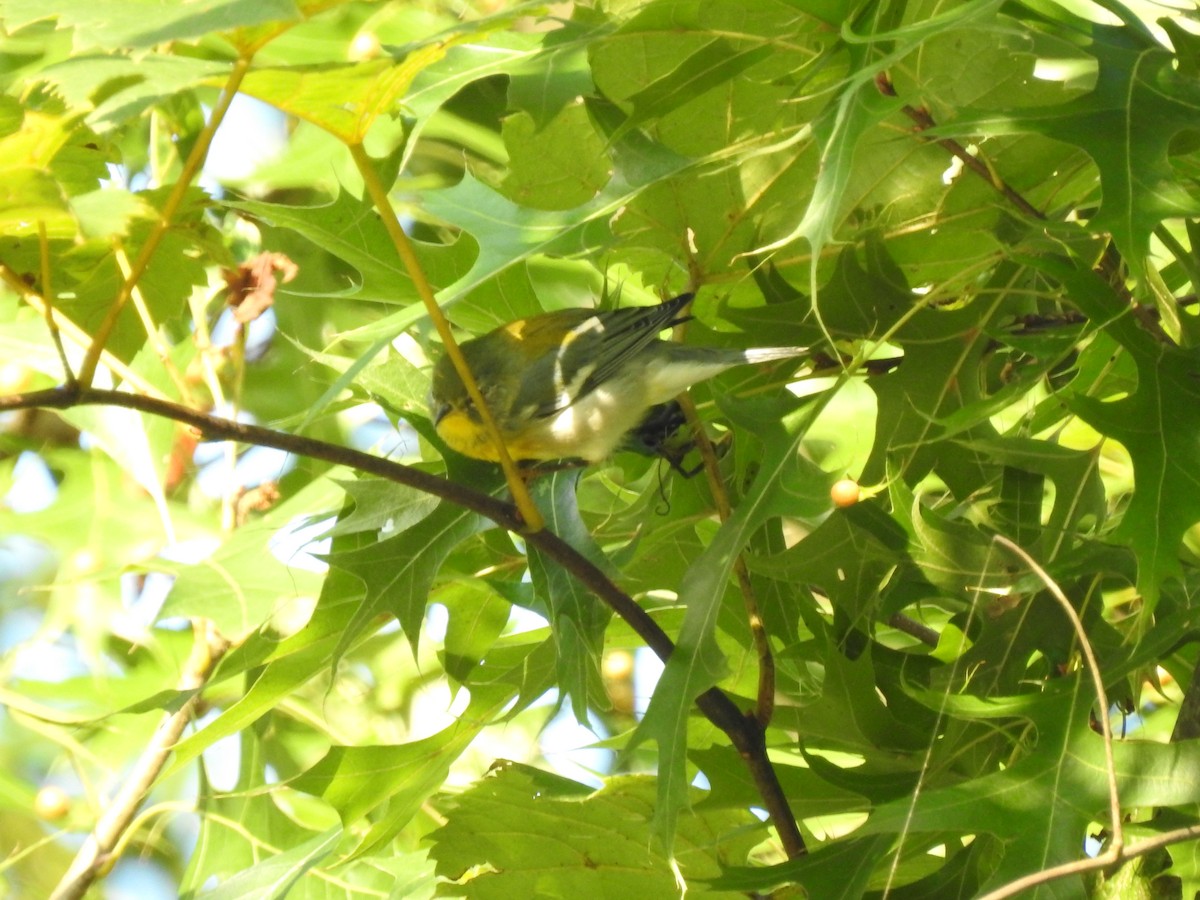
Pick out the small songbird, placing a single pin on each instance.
(571, 384)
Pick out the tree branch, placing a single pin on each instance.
(95, 856)
(1109, 263)
(745, 732)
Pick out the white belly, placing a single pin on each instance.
(590, 429)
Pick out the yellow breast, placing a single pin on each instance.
(468, 437)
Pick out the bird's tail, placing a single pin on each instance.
(766, 354)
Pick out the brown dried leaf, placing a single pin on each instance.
(252, 284)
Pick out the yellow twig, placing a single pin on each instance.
(48, 297)
(152, 335)
(516, 484)
(174, 200)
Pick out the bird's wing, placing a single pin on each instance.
(623, 333)
(597, 347)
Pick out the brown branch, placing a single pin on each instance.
(764, 705)
(744, 731)
(913, 628)
(96, 855)
(1109, 264)
(1187, 723)
(924, 121)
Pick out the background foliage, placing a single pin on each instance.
(980, 214)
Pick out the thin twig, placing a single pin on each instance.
(153, 336)
(1109, 263)
(743, 731)
(913, 628)
(95, 856)
(1104, 860)
(76, 335)
(191, 168)
(1117, 837)
(48, 297)
(924, 122)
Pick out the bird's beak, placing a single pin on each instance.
(439, 412)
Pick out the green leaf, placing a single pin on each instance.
(294, 662)
(1158, 424)
(399, 571)
(1139, 104)
(357, 780)
(544, 170)
(144, 23)
(343, 99)
(842, 870)
(512, 233)
(278, 874)
(714, 64)
(859, 107)
(732, 786)
(849, 555)
(577, 618)
(29, 197)
(508, 233)
(851, 713)
(108, 214)
(381, 505)
(94, 484)
(1079, 492)
(30, 193)
(543, 85)
(523, 833)
(478, 616)
(1043, 826)
(349, 229)
(114, 89)
(243, 583)
(253, 848)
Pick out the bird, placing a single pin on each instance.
(571, 384)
